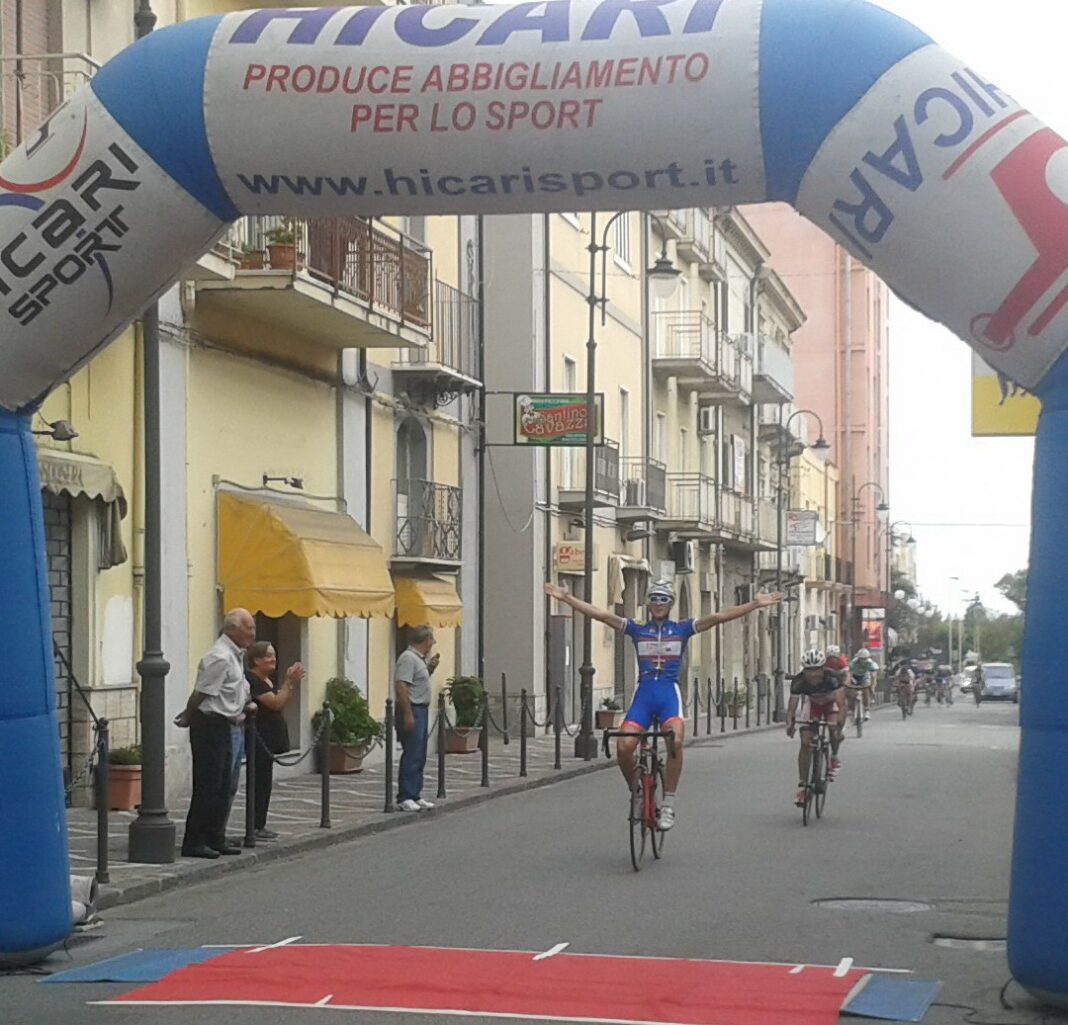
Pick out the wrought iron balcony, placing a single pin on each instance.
(643, 489)
(686, 345)
(449, 363)
(428, 520)
(346, 280)
(572, 488)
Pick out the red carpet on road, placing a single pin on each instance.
(565, 987)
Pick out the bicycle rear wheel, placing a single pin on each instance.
(858, 715)
(636, 815)
(657, 836)
(819, 779)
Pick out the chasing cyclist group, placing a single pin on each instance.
(826, 688)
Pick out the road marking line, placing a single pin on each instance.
(843, 967)
(797, 969)
(552, 951)
(272, 946)
(325, 1000)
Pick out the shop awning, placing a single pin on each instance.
(277, 556)
(428, 599)
(79, 475)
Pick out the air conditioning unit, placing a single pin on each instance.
(634, 493)
(708, 583)
(683, 552)
(706, 420)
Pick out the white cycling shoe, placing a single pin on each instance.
(666, 819)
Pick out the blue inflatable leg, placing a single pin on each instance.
(35, 909)
(1038, 905)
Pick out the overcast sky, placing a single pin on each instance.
(939, 474)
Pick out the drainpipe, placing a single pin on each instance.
(480, 292)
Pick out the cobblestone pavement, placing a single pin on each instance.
(356, 808)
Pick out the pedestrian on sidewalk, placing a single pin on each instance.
(411, 686)
(271, 699)
(220, 700)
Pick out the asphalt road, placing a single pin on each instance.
(922, 811)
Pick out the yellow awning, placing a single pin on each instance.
(431, 600)
(277, 556)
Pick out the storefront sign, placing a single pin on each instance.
(545, 418)
(801, 526)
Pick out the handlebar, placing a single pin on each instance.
(667, 736)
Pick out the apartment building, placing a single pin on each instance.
(319, 435)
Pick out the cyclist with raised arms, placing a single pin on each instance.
(660, 643)
(815, 693)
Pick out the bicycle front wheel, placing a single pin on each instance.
(636, 814)
(858, 716)
(657, 836)
(819, 779)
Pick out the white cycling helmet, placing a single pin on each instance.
(863, 653)
(833, 649)
(813, 659)
(661, 589)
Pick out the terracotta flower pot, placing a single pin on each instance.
(345, 759)
(252, 261)
(608, 718)
(283, 256)
(462, 740)
(124, 787)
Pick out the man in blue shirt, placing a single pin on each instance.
(660, 643)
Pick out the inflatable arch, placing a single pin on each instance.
(919, 165)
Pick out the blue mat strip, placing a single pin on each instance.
(893, 999)
(139, 966)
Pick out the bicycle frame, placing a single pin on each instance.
(816, 784)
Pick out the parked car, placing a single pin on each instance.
(999, 682)
(965, 679)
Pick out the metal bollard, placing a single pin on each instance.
(748, 698)
(734, 705)
(558, 726)
(504, 708)
(523, 732)
(759, 702)
(250, 782)
(483, 741)
(324, 769)
(441, 745)
(696, 707)
(103, 744)
(708, 708)
(388, 727)
(721, 705)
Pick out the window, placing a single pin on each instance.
(621, 231)
(624, 422)
(659, 432)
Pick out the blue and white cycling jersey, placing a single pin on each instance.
(660, 647)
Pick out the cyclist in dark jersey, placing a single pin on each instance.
(659, 643)
(815, 693)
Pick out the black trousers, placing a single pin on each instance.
(264, 780)
(209, 737)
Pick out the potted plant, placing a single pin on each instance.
(609, 715)
(467, 697)
(352, 727)
(251, 258)
(124, 778)
(282, 248)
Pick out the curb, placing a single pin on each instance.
(112, 896)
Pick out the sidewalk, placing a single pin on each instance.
(356, 809)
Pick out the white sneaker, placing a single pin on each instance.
(423, 803)
(666, 819)
(409, 805)
(867, 716)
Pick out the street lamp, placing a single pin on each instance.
(891, 540)
(783, 461)
(663, 275)
(881, 507)
(152, 833)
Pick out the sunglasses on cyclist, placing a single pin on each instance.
(660, 599)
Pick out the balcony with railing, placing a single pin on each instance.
(773, 371)
(428, 523)
(571, 492)
(687, 346)
(449, 363)
(33, 85)
(671, 224)
(643, 489)
(696, 507)
(696, 241)
(776, 430)
(349, 282)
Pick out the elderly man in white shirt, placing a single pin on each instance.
(219, 701)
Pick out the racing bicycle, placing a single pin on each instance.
(819, 767)
(856, 697)
(643, 805)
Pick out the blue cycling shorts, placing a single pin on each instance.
(662, 702)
